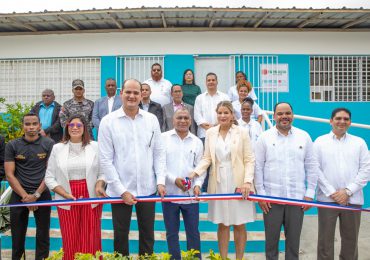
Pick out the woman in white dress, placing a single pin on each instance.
(228, 151)
(244, 87)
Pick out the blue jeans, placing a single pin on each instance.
(171, 216)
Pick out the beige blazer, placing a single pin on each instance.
(242, 157)
(57, 171)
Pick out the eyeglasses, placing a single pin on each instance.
(182, 118)
(78, 125)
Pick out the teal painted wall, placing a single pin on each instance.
(107, 70)
(299, 97)
(175, 65)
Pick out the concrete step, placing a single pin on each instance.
(256, 237)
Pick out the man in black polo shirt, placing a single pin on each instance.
(25, 165)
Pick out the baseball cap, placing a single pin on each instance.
(78, 83)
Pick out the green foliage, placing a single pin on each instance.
(11, 119)
(190, 254)
(215, 256)
(56, 256)
(4, 212)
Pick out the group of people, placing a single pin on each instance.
(152, 137)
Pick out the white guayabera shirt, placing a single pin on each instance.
(131, 153)
(182, 156)
(285, 165)
(205, 109)
(344, 163)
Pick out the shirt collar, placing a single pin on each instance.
(173, 132)
(123, 114)
(217, 93)
(37, 141)
(291, 131)
(242, 122)
(43, 105)
(84, 101)
(343, 138)
(156, 80)
(177, 105)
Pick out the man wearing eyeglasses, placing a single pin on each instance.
(171, 108)
(161, 88)
(132, 159)
(48, 111)
(345, 168)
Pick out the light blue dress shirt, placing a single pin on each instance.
(46, 115)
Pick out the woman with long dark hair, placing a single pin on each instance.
(189, 88)
(73, 173)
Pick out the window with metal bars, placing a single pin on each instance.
(23, 80)
(340, 78)
(137, 67)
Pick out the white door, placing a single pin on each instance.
(222, 66)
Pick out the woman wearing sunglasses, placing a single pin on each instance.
(73, 173)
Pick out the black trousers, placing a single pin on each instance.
(291, 218)
(121, 216)
(19, 223)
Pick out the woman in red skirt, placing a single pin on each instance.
(73, 173)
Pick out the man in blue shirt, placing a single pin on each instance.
(48, 112)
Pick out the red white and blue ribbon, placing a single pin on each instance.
(179, 198)
(187, 183)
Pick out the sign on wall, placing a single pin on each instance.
(274, 77)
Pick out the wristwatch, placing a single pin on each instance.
(349, 193)
(37, 195)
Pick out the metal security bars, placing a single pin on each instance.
(263, 71)
(24, 79)
(136, 67)
(340, 78)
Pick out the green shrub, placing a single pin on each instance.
(185, 255)
(11, 119)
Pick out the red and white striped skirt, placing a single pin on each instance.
(81, 225)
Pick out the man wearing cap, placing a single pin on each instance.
(48, 111)
(77, 105)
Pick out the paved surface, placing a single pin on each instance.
(308, 242)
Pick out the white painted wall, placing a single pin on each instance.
(144, 43)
